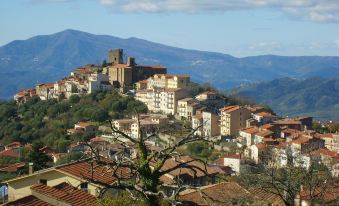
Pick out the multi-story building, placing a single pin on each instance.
(211, 99)
(187, 107)
(331, 140)
(233, 118)
(162, 100)
(22, 96)
(98, 82)
(45, 91)
(211, 126)
(206, 123)
(168, 81)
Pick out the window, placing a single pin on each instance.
(43, 181)
(84, 186)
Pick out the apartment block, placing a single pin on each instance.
(232, 119)
(162, 100)
(168, 81)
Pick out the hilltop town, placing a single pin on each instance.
(238, 138)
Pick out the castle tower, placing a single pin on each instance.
(115, 56)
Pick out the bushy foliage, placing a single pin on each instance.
(48, 121)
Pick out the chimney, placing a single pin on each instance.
(130, 61)
(30, 168)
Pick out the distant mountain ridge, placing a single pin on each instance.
(48, 58)
(317, 97)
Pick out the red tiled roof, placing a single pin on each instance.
(264, 133)
(28, 201)
(264, 114)
(13, 145)
(8, 153)
(230, 108)
(84, 124)
(66, 193)
(221, 194)
(327, 135)
(267, 126)
(190, 168)
(13, 167)
(101, 174)
(250, 130)
(301, 140)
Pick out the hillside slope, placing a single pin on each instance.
(318, 97)
(50, 57)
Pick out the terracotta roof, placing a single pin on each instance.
(261, 146)
(101, 174)
(265, 196)
(322, 136)
(142, 81)
(222, 194)
(230, 108)
(84, 124)
(265, 114)
(66, 193)
(28, 201)
(14, 144)
(301, 140)
(326, 152)
(189, 168)
(13, 167)
(9, 153)
(250, 130)
(264, 133)
(97, 139)
(267, 126)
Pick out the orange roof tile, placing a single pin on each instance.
(264, 114)
(84, 124)
(225, 193)
(9, 153)
(301, 140)
(101, 174)
(66, 193)
(230, 108)
(28, 201)
(250, 130)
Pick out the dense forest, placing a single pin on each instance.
(47, 121)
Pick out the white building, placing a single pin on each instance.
(168, 81)
(162, 100)
(98, 82)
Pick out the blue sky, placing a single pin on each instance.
(236, 27)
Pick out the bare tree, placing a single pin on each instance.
(147, 168)
(288, 181)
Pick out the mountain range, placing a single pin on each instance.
(47, 58)
(317, 97)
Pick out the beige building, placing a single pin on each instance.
(162, 100)
(187, 108)
(208, 123)
(98, 82)
(74, 174)
(168, 81)
(233, 118)
(45, 91)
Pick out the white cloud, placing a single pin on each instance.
(313, 10)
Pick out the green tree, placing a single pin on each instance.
(39, 159)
